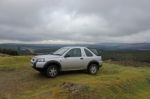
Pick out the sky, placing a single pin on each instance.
(74, 21)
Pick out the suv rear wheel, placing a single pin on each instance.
(92, 69)
(52, 71)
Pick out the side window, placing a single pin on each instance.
(76, 52)
(88, 53)
(96, 51)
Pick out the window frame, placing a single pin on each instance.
(73, 56)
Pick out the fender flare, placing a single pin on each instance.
(52, 62)
(93, 62)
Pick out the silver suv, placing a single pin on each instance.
(66, 59)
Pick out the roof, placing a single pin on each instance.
(75, 47)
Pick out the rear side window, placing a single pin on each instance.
(88, 53)
(97, 52)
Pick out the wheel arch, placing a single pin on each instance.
(52, 62)
(93, 62)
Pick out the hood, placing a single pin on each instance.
(47, 56)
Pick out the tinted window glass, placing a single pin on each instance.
(96, 51)
(88, 53)
(74, 52)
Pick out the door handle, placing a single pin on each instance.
(81, 58)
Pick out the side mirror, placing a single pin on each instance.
(67, 56)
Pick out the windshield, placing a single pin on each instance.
(60, 51)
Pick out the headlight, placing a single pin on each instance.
(41, 60)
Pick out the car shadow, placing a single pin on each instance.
(62, 73)
(71, 72)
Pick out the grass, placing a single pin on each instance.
(113, 81)
(13, 62)
(125, 55)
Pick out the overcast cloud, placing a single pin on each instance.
(74, 21)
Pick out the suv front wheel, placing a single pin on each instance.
(52, 71)
(92, 69)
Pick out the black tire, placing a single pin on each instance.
(52, 71)
(92, 69)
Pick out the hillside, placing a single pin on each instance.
(102, 46)
(19, 80)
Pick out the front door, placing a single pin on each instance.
(73, 60)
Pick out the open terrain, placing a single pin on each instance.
(114, 81)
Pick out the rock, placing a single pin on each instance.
(71, 87)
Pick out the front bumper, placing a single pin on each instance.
(34, 66)
(38, 65)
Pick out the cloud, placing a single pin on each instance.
(74, 21)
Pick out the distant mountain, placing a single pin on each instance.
(124, 46)
(51, 47)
